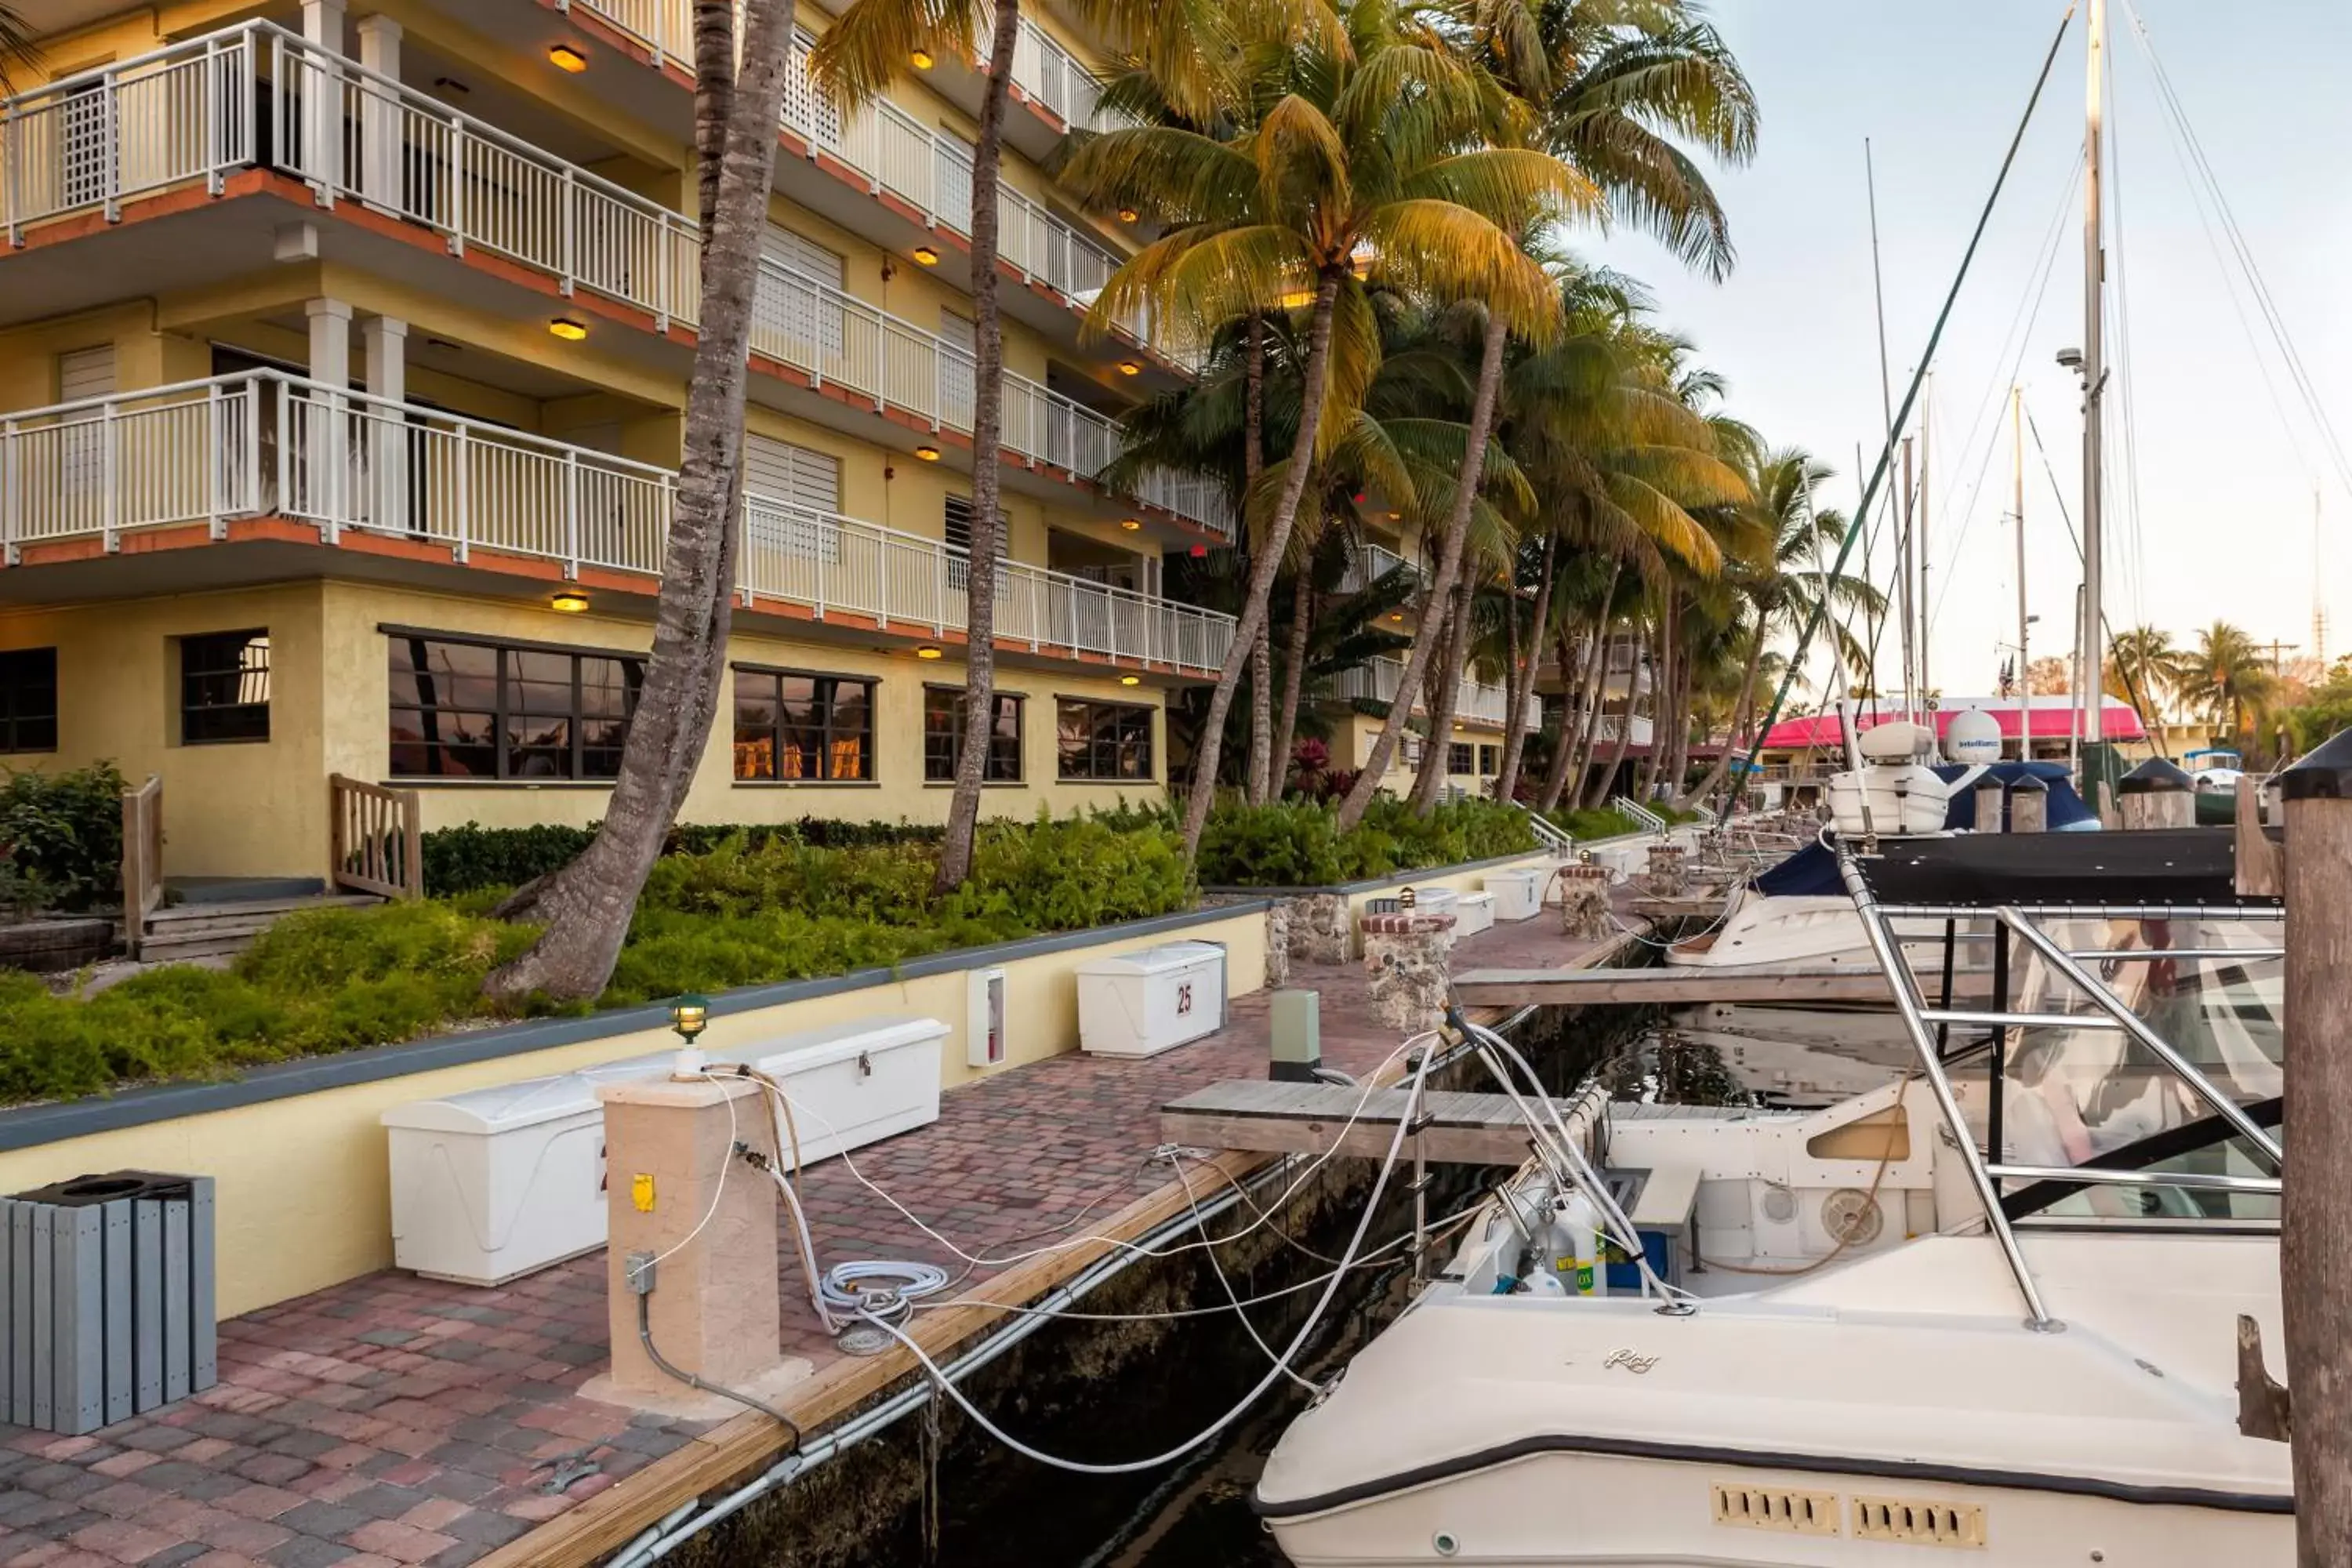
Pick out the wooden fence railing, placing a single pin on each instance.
(143, 856)
(378, 839)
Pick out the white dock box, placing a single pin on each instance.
(1519, 895)
(495, 1183)
(1142, 1003)
(1473, 912)
(852, 1084)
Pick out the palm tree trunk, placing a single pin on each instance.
(1446, 701)
(1661, 696)
(1571, 725)
(1449, 563)
(1263, 785)
(1266, 563)
(1740, 715)
(987, 420)
(588, 904)
(1293, 675)
(1592, 681)
(1598, 795)
(1522, 683)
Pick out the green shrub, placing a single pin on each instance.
(61, 837)
(1297, 844)
(469, 858)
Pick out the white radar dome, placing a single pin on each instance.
(1973, 736)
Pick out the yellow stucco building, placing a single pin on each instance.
(343, 352)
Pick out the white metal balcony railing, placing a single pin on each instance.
(257, 94)
(266, 442)
(1370, 563)
(1477, 702)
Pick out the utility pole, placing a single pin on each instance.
(2276, 651)
(2091, 701)
(2024, 622)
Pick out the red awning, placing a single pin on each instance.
(2053, 720)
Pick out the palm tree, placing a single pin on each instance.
(1785, 581)
(16, 47)
(1630, 78)
(2226, 678)
(855, 61)
(2144, 662)
(587, 905)
(1376, 143)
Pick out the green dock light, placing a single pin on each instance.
(690, 1015)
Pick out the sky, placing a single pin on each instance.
(2221, 450)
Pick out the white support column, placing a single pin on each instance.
(321, 90)
(379, 114)
(384, 439)
(319, 466)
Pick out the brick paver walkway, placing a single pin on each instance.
(397, 1420)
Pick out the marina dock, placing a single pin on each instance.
(1308, 1118)
(399, 1419)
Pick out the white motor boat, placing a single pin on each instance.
(1992, 1306)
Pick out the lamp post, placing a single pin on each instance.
(690, 1015)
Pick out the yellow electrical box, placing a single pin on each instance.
(641, 1192)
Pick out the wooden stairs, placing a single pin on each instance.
(221, 927)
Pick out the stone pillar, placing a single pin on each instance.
(1584, 901)
(1409, 960)
(382, 434)
(1277, 943)
(379, 114)
(1668, 876)
(714, 1309)
(1318, 929)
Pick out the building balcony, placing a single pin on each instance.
(255, 96)
(93, 477)
(1476, 703)
(1370, 563)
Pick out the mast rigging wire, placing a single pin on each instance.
(1886, 457)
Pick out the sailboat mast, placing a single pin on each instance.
(2024, 622)
(1927, 438)
(1903, 574)
(2090, 714)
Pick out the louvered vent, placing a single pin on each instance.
(1777, 1508)
(1917, 1522)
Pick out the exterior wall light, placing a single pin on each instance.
(1133, 525)
(564, 57)
(570, 330)
(570, 601)
(929, 650)
(927, 256)
(1130, 367)
(1130, 681)
(920, 59)
(928, 454)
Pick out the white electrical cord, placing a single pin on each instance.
(1241, 1317)
(717, 1191)
(1131, 1467)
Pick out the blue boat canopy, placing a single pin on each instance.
(1812, 871)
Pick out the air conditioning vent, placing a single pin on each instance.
(1919, 1523)
(1777, 1508)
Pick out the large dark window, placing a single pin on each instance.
(1490, 759)
(1106, 741)
(225, 688)
(943, 732)
(489, 711)
(28, 700)
(792, 727)
(1461, 758)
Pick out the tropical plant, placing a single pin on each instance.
(2225, 678)
(1183, 48)
(17, 49)
(2144, 664)
(587, 905)
(1370, 154)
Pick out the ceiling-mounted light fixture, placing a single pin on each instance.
(1130, 681)
(920, 59)
(927, 256)
(570, 330)
(1130, 367)
(564, 57)
(570, 601)
(928, 454)
(1128, 215)
(1131, 524)
(929, 650)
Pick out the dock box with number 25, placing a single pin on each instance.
(1140, 1004)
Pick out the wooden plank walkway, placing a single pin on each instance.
(1308, 1118)
(1667, 985)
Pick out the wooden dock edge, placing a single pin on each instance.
(603, 1524)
